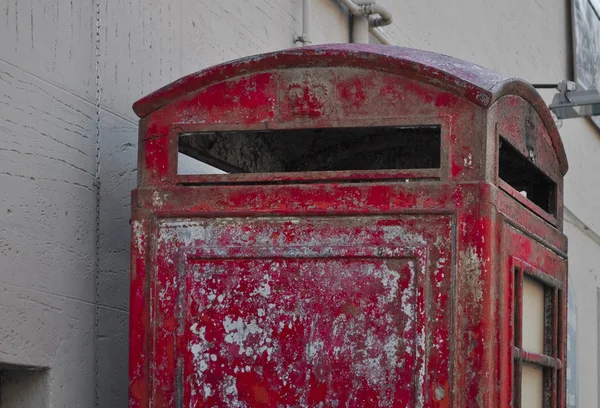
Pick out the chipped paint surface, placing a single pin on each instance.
(472, 270)
(350, 288)
(291, 312)
(290, 343)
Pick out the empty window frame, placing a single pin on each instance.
(304, 150)
(522, 175)
(537, 350)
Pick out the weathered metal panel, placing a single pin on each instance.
(351, 288)
(295, 310)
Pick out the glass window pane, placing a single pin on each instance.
(532, 387)
(533, 316)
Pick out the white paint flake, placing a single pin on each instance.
(238, 331)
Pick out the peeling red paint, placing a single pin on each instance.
(387, 288)
(445, 99)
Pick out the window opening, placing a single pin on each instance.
(303, 150)
(522, 175)
(23, 386)
(536, 352)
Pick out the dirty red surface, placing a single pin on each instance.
(386, 288)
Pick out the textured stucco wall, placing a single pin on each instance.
(49, 128)
(524, 38)
(47, 202)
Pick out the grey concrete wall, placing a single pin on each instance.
(47, 202)
(48, 128)
(528, 39)
(582, 226)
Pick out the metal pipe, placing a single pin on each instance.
(352, 7)
(306, 15)
(304, 38)
(360, 30)
(367, 9)
(385, 17)
(380, 36)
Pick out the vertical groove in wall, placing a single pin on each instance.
(97, 223)
(597, 342)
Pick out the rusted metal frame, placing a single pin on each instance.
(550, 361)
(527, 203)
(473, 325)
(454, 331)
(520, 228)
(207, 253)
(140, 318)
(443, 121)
(141, 155)
(541, 360)
(187, 204)
(562, 348)
(442, 208)
(560, 205)
(549, 365)
(505, 308)
(555, 344)
(180, 315)
(529, 224)
(518, 333)
(424, 286)
(540, 276)
(549, 386)
(223, 214)
(161, 396)
(549, 341)
(327, 177)
(152, 272)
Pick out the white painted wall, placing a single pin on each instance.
(49, 127)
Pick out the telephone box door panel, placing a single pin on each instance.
(286, 312)
(536, 278)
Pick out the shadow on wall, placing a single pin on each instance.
(572, 400)
(23, 387)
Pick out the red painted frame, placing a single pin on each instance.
(552, 358)
(492, 224)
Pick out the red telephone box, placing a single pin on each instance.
(386, 232)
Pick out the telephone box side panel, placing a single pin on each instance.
(182, 296)
(476, 320)
(528, 262)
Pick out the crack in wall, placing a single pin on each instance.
(97, 223)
